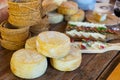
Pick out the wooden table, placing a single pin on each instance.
(93, 66)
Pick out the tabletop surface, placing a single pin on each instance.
(93, 66)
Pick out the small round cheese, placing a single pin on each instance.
(68, 63)
(53, 44)
(79, 16)
(28, 64)
(68, 8)
(55, 18)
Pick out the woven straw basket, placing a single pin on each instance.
(10, 34)
(11, 45)
(25, 13)
(43, 25)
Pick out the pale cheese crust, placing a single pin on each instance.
(68, 8)
(28, 64)
(53, 44)
(70, 62)
(55, 18)
(31, 43)
(79, 16)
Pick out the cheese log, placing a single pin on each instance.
(91, 31)
(28, 64)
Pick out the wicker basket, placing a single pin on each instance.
(12, 45)
(10, 34)
(42, 25)
(23, 21)
(25, 13)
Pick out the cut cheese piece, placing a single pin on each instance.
(115, 75)
(81, 34)
(99, 16)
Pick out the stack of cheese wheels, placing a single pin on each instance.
(28, 64)
(64, 56)
(70, 62)
(71, 11)
(53, 44)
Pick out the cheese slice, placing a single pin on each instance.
(100, 17)
(115, 75)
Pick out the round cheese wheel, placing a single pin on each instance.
(28, 64)
(53, 44)
(79, 16)
(55, 18)
(68, 63)
(68, 8)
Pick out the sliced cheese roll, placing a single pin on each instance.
(70, 62)
(53, 44)
(28, 64)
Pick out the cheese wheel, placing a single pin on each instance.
(68, 63)
(79, 16)
(53, 44)
(55, 18)
(31, 43)
(48, 6)
(28, 64)
(59, 2)
(68, 8)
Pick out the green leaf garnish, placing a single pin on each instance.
(101, 28)
(72, 25)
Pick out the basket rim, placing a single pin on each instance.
(11, 2)
(3, 28)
